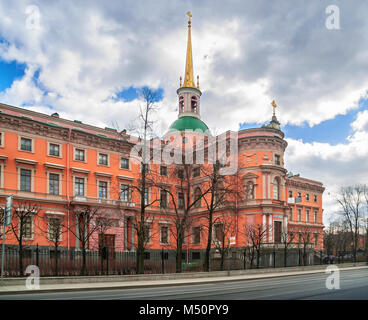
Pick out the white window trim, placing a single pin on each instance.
(167, 225)
(32, 228)
(60, 149)
(29, 138)
(19, 167)
(108, 159)
(60, 182)
(50, 216)
(85, 154)
(2, 139)
(85, 185)
(129, 192)
(98, 188)
(120, 167)
(2, 175)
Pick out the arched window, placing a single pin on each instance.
(197, 196)
(276, 189)
(249, 190)
(181, 104)
(194, 104)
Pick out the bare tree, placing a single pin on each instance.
(182, 203)
(52, 228)
(24, 214)
(224, 228)
(256, 235)
(144, 129)
(351, 201)
(221, 190)
(287, 238)
(86, 223)
(305, 242)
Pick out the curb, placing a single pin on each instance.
(183, 283)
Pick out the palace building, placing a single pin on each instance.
(60, 164)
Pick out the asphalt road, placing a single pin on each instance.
(353, 285)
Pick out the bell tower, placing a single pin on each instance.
(189, 93)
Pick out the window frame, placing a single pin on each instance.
(193, 238)
(2, 139)
(75, 154)
(20, 137)
(128, 162)
(107, 164)
(84, 186)
(49, 183)
(30, 179)
(106, 183)
(49, 143)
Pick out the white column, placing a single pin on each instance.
(285, 228)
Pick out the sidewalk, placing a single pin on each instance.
(64, 287)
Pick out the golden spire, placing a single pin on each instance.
(188, 78)
(274, 105)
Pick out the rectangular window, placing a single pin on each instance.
(146, 196)
(196, 235)
(79, 187)
(181, 200)
(147, 233)
(79, 155)
(163, 171)
(316, 239)
(299, 214)
(124, 192)
(219, 232)
(196, 172)
(54, 228)
(25, 180)
(180, 174)
(315, 198)
(124, 163)
(315, 216)
(307, 216)
(54, 150)
(54, 183)
(277, 159)
(164, 235)
(163, 199)
(102, 189)
(27, 227)
(290, 215)
(102, 159)
(290, 194)
(146, 167)
(25, 144)
(307, 196)
(1, 139)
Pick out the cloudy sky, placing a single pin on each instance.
(87, 60)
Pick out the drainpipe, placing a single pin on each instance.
(67, 182)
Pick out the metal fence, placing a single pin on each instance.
(69, 263)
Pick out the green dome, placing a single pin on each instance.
(188, 123)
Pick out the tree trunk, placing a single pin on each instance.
(208, 248)
(179, 252)
(56, 260)
(84, 253)
(285, 256)
(21, 258)
(258, 256)
(140, 253)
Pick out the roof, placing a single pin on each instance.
(188, 123)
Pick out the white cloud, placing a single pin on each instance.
(246, 53)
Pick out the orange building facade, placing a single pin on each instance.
(61, 164)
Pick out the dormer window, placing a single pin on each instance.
(181, 104)
(194, 104)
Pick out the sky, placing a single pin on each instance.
(87, 60)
